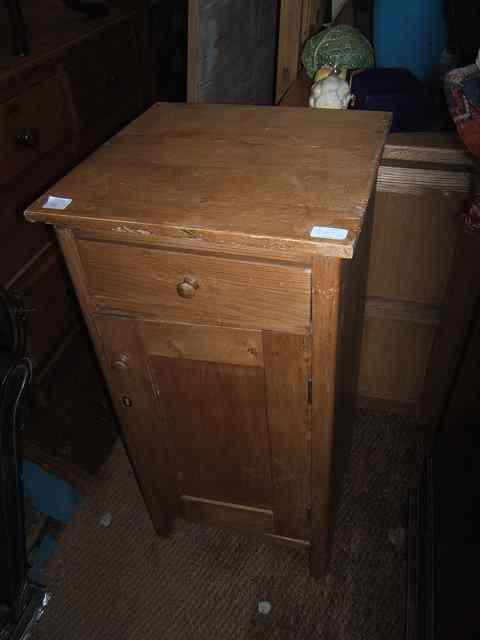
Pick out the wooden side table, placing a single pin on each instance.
(219, 254)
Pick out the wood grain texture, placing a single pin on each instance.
(217, 428)
(231, 292)
(287, 374)
(422, 185)
(419, 179)
(43, 113)
(338, 301)
(241, 191)
(313, 18)
(306, 25)
(413, 244)
(213, 344)
(230, 436)
(159, 492)
(208, 242)
(39, 141)
(326, 292)
(350, 324)
(269, 251)
(394, 358)
(298, 22)
(142, 423)
(437, 148)
(289, 42)
(223, 514)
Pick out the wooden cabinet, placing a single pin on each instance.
(219, 413)
(78, 85)
(104, 76)
(32, 124)
(48, 298)
(228, 334)
(423, 183)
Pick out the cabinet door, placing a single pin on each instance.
(222, 413)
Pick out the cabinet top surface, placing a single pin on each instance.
(229, 174)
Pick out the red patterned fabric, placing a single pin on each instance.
(462, 88)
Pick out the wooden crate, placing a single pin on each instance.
(423, 182)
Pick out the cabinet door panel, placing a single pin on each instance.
(225, 443)
(287, 370)
(215, 344)
(126, 369)
(216, 419)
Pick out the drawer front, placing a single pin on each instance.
(46, 290)
(191, 288)
(104, 76)
(31, 125)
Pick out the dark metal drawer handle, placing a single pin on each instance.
(28, 137)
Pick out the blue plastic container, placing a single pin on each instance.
(410, 34)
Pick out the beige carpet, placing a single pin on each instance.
(123, 582)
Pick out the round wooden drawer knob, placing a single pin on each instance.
(28, 137)
(188, 287)
(121, 364)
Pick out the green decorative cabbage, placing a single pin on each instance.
(341, 46)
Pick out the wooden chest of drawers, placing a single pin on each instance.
(80, 83)
(228, 334)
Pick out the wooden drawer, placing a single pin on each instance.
(32, 124)
(144, 282)
(46, 290)
(104, 77)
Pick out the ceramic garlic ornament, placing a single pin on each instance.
(331, 93)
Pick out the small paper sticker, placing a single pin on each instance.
(330, 233)
(54, 202)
